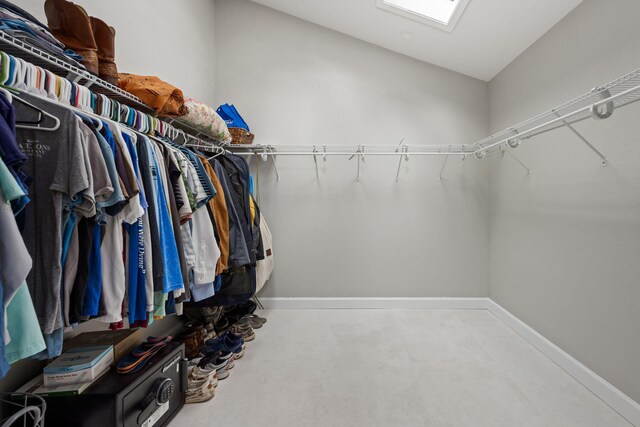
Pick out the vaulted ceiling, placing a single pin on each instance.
(489, 35)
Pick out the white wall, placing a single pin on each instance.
(298, 83)
(169, 39)
(565, 242)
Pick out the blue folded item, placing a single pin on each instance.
(21, 30)
(73, 55)
(231, 117)
(21, 12)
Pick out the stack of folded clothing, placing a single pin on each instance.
(166, 99)
(21, 25)
(214, 339)
(204, 118)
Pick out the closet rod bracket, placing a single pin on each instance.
(583, 139)
(401, 150)
(273, 160)
(360, 157)
(513, 156)
(444, 164)
(315, 162)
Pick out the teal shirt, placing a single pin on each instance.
(23, 327)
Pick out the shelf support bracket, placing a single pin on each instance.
(275, 167)
(444, 164)
(315, 162)
(359, 157)
(513, 156)
(402, 151)
(583, 139)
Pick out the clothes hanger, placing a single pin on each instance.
(14, 71)
(41, 116)
(54, 87)
(4, 67)
(21, 76)
(116, 111)
(6, 94)
(30, 85)
(42, 79)
(218, 154)
(109, 107)
(24, 77)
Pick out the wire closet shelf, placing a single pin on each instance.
(16, 47)
(21, 49)
(598, 103)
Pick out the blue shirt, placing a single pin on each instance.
(136, 271)
(172, 279)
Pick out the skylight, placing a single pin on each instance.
(442, 14)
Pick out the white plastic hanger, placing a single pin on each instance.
(41, 115)
(6, 94)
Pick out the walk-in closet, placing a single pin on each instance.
(319, 213)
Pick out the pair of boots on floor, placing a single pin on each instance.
(86, 35)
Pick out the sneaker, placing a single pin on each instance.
(228, 342)
(198, 376)
(245, 330)
(199, 394)
(254, 320)
(217, 364)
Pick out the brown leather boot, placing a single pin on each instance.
(105, 40)
(70, 24)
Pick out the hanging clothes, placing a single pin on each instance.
(115, 225)
(265, 266)
(60, 173)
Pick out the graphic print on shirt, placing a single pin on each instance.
(34, 148)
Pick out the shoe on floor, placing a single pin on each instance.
(220, 365)
(198, 376)
(228, 342)
(200, 394)
(193, 336)
(254, 320)
(244, 329)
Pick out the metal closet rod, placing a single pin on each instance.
(560, 119)
(343, 153)
(479, 148)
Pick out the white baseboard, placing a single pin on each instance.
(376, 303)
(617, 400)
(613, 397)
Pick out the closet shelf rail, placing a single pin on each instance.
(354, 150)
(18, 48)
(598, 103)
(143, 121)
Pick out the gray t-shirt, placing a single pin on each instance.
(57, 163)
